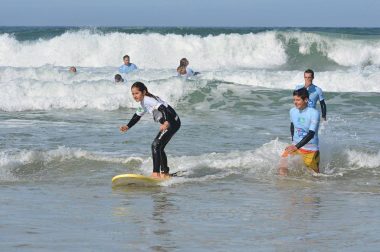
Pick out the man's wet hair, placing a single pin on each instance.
(302, 92)
(310, 71)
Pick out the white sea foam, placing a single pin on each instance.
(58, 90)
(51, 88)
(149, 51)
(260, 162)
(362, 159)
(34, 74)
(351, 80)
(62, 153)
(36, 95)
(11, 160)
(263, 162)
(87, 48)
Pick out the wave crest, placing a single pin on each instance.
(149, 51)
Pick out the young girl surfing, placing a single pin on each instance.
(162, 113)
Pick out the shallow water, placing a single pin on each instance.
(60, 146)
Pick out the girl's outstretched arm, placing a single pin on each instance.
(133, 121)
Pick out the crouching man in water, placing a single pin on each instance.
(304, 131)
(162, 113)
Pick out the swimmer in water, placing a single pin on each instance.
(127, 67)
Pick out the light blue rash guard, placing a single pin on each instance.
(127, 68)
(315, 94)
(189, 72)
(303, 121)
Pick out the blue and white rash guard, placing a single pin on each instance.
(127, 68)
(315, 94)
(304, 121)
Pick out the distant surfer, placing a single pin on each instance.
(127, 67)
(315, 93)
(72, 69)
(304, 131)
(118, 78)
(184, 70)
(164, 114)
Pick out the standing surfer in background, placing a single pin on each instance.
(315, 93)
(304, 131)
(162, 113)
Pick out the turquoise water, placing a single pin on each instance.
(60, 144)
(34, 33)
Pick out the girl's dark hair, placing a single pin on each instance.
(141, 87)
(302, 92)
(118, 78)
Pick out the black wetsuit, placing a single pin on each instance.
(166, 113)
(162, 138)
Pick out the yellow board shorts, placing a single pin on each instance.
(310, 158)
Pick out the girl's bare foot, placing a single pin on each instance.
(155, 175)
(165, 175)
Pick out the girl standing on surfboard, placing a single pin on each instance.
(162, 113)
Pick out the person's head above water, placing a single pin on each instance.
(72, 69)
(126, 60)
(308, 75)
(118, 78)
(183, 62)
(300, 98)
(139, 90)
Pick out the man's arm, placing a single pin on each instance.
(323, 109)
(292, 130)
(306, 139)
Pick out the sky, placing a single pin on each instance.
(198, 13)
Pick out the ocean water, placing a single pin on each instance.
(60, 144)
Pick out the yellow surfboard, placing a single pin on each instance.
(136, 180)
